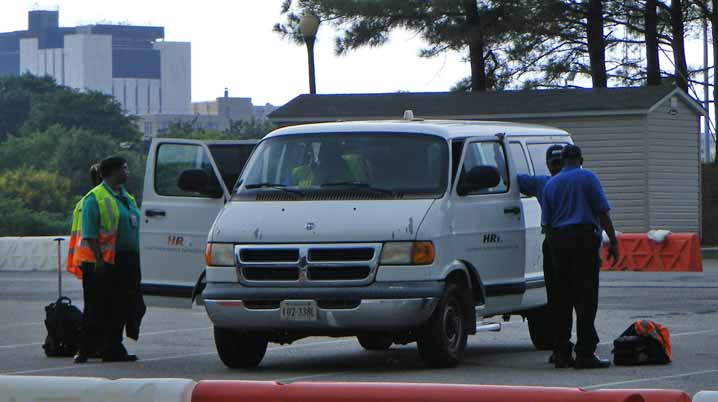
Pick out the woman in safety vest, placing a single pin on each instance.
(105, 244)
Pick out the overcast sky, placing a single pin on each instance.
(233, 46)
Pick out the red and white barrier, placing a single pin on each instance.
(678, 252)
(238, 391)
(75, 389)
(78, 389)
(31, 253)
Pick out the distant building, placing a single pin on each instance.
(216, 115)
(132, 63)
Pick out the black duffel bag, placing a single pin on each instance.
(643, 346)
(63, 322)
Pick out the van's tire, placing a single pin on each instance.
(240, 350)
(374, 342)
(543, 333)
(442, 339)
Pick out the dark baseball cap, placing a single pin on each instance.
(571, 152)
(553, 153)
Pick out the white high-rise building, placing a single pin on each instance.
(144, 73)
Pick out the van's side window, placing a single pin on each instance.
(538, 157)
(519, 157)
(172, 160)
(490, 153)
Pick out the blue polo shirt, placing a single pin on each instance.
(573, 197)
(532, 186)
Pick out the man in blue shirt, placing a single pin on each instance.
(533, 186)
(574, 208)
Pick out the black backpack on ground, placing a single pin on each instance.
(64, 324)
(634, 349)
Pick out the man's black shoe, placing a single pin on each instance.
(120, 358)
(591, 362)
(562, 361)
(80, 358)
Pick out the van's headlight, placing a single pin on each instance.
(408, 253)
(219, 255)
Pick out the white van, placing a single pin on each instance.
(390, 231)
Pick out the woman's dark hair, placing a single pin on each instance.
(95, 176)
(109, 164)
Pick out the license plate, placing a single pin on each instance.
(298, 310)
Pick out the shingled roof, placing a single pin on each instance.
(467, 104)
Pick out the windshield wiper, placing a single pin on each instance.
(274, 186)
(357, 184)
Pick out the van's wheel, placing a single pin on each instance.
(374, 342)
(442, 340)
(543, 334)
(239, 349)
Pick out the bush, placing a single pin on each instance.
(18, 220)
(39, 190)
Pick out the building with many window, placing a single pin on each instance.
(134, 64)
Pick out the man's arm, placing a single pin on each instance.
(607, 225)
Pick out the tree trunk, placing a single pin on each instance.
(596, 43)
(714, 32)
(653, 66)
(677, 43)
(476, 47)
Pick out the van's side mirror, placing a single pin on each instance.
(479, 178)
(197, 181)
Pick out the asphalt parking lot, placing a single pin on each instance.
(179, 343)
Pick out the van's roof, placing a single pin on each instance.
(443, 128)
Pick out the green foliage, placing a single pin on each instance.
(49, 137)
(19, 220)
(39, 190)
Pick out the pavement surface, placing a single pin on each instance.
(179, 343)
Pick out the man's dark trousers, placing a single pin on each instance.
(548, 275)
(576, 273)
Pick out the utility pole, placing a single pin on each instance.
(706, 101)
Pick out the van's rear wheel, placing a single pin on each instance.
(541, 329)
(374, 342)
(239, 350)
(442, 340)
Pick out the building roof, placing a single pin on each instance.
(503, 104)
(442, 128)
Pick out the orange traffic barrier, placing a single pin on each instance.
(239, 391)
(679, 252)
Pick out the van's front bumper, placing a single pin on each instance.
(381, 306)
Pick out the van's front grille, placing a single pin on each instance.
(269, 255)
(271, 273)
(308, 265)
(341, 254)
(338, 273)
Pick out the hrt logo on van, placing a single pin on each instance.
(492, 238)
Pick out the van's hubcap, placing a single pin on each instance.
(453, 323)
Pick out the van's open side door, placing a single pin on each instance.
(175, 223)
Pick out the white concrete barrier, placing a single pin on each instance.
(48, 389)
(31, 253)
(706, 396)
(144, 390)
(78, 389)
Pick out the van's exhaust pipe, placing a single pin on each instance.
(488, 327)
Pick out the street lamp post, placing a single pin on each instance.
(308, 25)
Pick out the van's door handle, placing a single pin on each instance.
(155, 212)
(512, 210)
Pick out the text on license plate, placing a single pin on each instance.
(298, 310)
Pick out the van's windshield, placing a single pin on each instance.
(388, 165)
